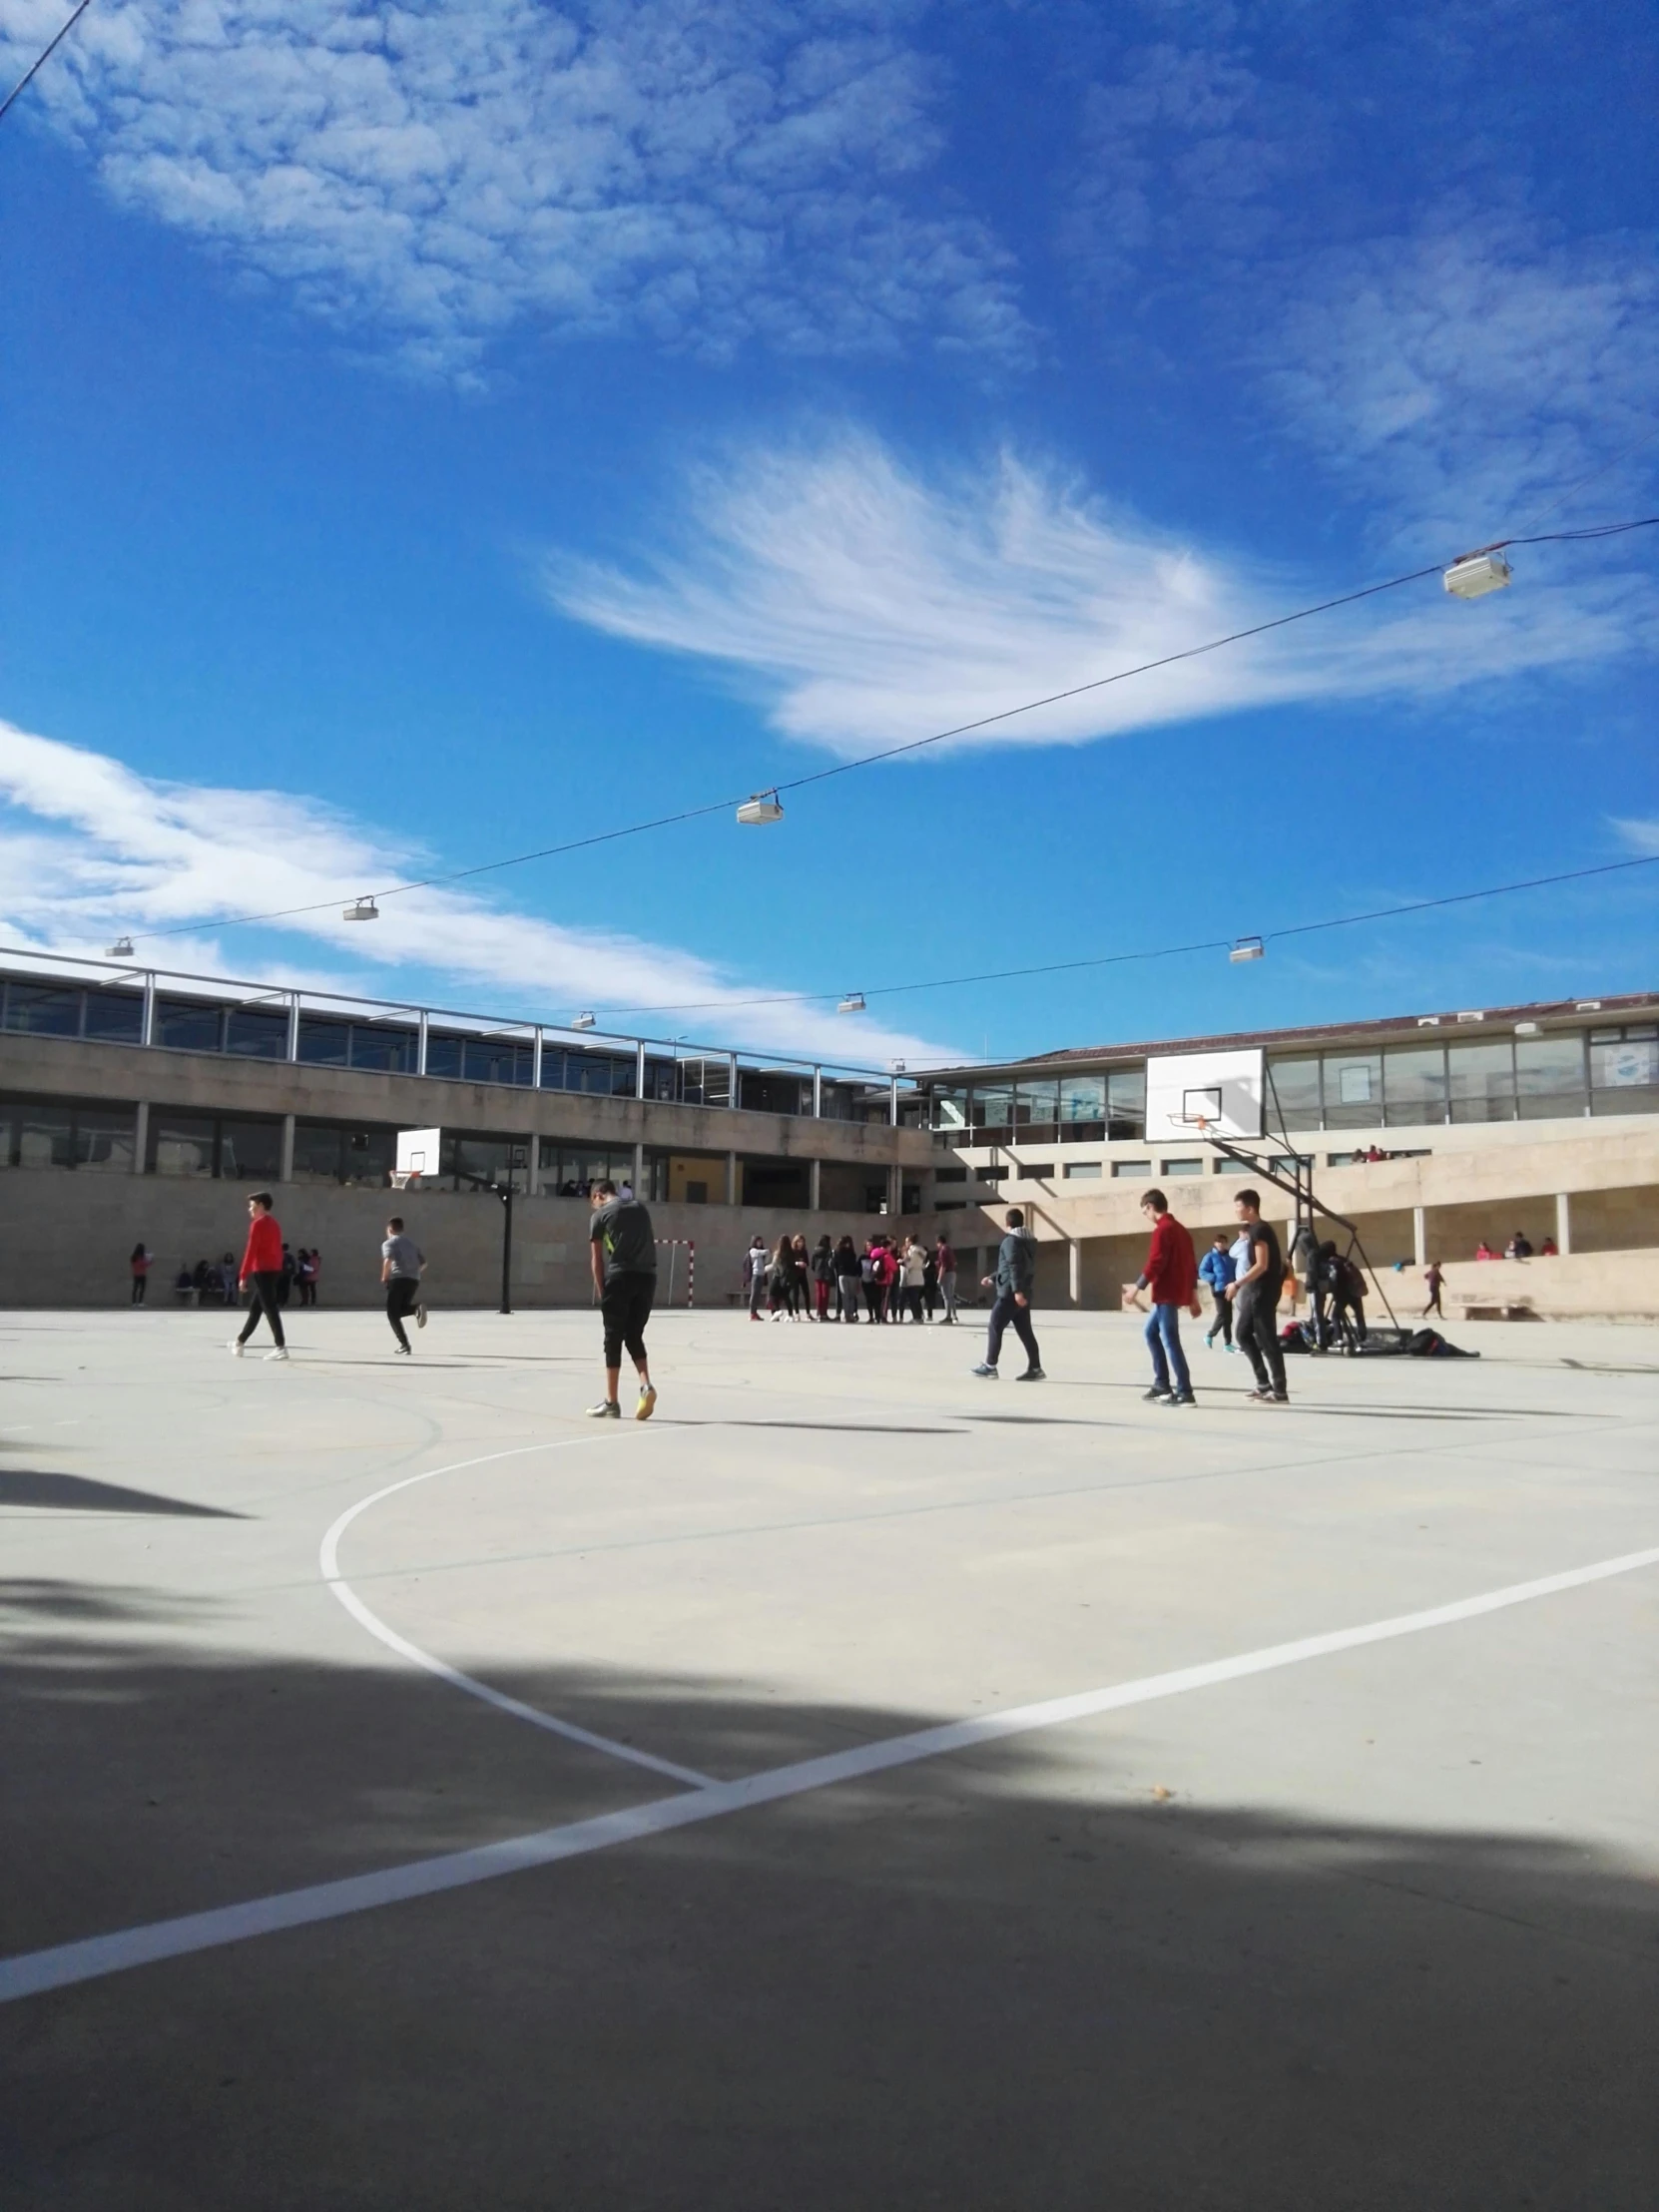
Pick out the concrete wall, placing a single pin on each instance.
(64, 1237)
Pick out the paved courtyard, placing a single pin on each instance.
(861, 1786)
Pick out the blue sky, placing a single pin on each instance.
(434, 434)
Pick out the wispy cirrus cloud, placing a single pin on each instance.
(869, 604)
(430, 176)
(88, 847)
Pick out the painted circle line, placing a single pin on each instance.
(515, 1708)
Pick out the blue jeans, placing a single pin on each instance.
(1163, 1333)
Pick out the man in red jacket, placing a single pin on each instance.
(1171, 1275)
(261, 1265)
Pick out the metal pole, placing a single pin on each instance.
(535, 1062)
(146, 1031)
(420, 1043)
(817, 1094)
(293, 1025)
(506, 1198)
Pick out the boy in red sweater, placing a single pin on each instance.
(262, 1266)
(1171, 1275)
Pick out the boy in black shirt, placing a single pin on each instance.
(624, 1255)
(1255, 1294)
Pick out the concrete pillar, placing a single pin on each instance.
(815, 1184)
(141, 1137)
(1420, 1235)
(1074, 1254)
(1564, 1220)
(293, 1025)
(147, 1020)
(639, 1169)
(731, 1179)
(420, 1043)
(285, 1171)
(535, 1065)
(896, 1190)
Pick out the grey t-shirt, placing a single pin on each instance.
(622, 1230)
(406, 1257)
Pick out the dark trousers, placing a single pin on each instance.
(624, 1308)
(1163, 1341)
(138, 1282)
(1434, 1305)
(1221, 1321)
(1007, 1310)
(402, 1297)
(1256, 1317)
(264, 1290)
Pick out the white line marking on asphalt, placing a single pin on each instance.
(328, 1559)
(96, 1955)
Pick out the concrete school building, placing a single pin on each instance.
(141, 1106)
(1538, 1118)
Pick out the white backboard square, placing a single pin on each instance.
(1225, 1087)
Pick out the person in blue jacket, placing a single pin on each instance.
(1216, 1269)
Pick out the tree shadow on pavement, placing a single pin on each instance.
(985, 1982)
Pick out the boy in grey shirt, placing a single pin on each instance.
(1014, 1283)
(402, 1264)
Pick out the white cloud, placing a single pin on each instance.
(1465, 379)
(872, 606)
(437, 173)
(89, 849)
(1641, 836)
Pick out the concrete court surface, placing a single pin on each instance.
(1375, 1926)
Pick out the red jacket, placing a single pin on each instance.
(1171, 1268)
(264, 1247)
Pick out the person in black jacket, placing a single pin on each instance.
(1013, 1281)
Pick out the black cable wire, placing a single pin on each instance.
(894, 752)
(1160, 952)
(43, 57)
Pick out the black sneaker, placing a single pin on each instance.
(1156, 1396)
(1181, 1398)
(1031, 1375)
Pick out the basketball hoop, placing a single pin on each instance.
(409, 1180)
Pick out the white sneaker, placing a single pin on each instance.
(236, 1348)
(421, 1316)
(280, 1353)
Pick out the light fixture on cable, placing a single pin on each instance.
(852, 1003)
(762, 808)
(122, 949)
(585, 1021)
(1247, 949)
(1476, 574)
(360, 909)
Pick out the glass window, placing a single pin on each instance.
(380, 1045)
(1126, 1103)
(45, 1134)
(1083, 1171)
(1036, 1171)
(1352, 1083)
(1180, 1167)
(443, 1056)
(1550, 1076)
(43, 1009)
(316, 1152)
(1293, 1099)
(1414, 1084)
(1625, 1063)
(250, 1151)
(488, 1060)
(1234, 1167)
(1122, 1168)
(1481, 1079)
(323, 1042)
(186, 1025)
(991, 1106)
(950, 1175)
(180, 1144)
(950, 1108)
(1083, 1108)
(256, 1032)
(1036, 1105)
(103, 1138)
(117, 1017)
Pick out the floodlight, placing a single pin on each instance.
(898, 1066)
(764, 807)
(583, 1021)
(122, 949)
(360, 909)
(852, 1003)
(1247, 949)
(1476, 574)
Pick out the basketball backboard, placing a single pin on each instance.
(418, 1151)
(1223, 1090)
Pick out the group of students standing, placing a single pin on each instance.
(1246, 1280)
(887, 1281)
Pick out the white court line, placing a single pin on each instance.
(34, 1971)
(328, 1561)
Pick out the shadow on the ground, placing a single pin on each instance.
(80, 1494)
(987, 1982)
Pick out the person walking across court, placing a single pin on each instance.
(402, 1264)
(945, 1259)
(1013, 1281)
(624, 1254)
(1434, 1276)
(261, 1271)
(1255, 1294)
(1169, 1278)
(140, 1264)
(1215, 1269)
